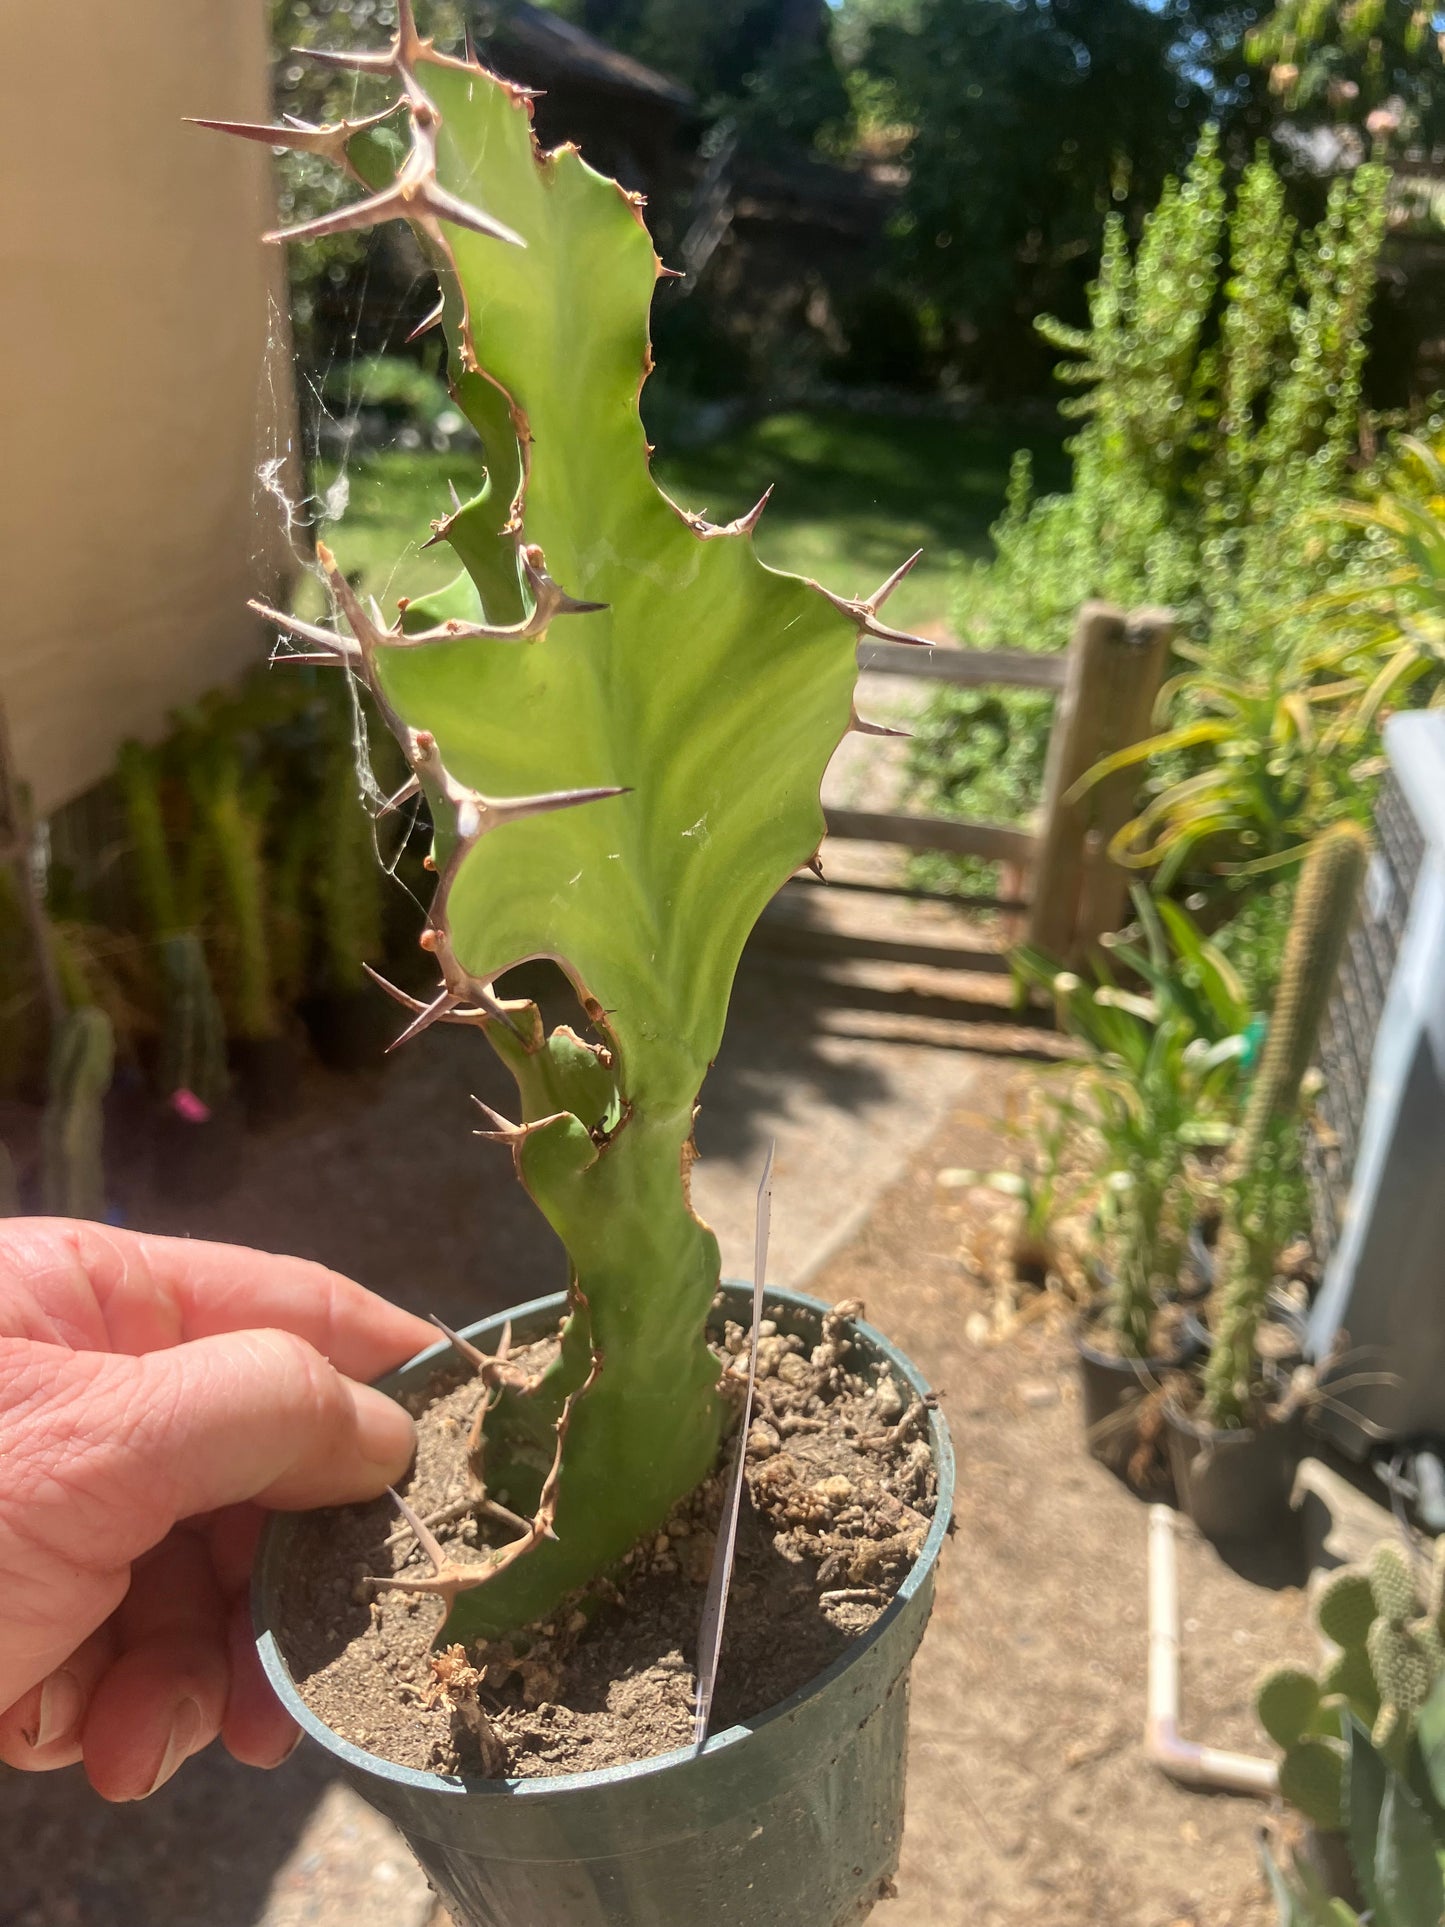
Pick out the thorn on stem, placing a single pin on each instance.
(879, 596)
(463, 1345)
(430, 1014)
(433, 320)
(421, 1531)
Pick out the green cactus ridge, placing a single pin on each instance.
(1311, 1778)
(1287, 1702)
(236, 825)
(1250, 1238)
(1392, 1585)
(620, 720)
(1345, 1607)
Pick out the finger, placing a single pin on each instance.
(232, 1534)
(118, 1449)
(172, 1590)
(157, 1705)
(256, 1729)
(156, 1292)
(42, 1729)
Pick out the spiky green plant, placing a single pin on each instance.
(619, 719)
(1390, 1659)
(1260, 1164)
(234, 818)
(1159, 1084)
(193, 1038)
(72, 1167)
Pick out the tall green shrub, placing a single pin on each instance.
(1219, 398)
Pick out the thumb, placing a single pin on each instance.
(251, 1415)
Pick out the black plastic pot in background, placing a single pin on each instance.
(790, 1819)
(267, 1071)
(1112, 1393)
(195, 1159)
(1235, 1485)
(350, 1029)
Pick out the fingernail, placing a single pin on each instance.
(185, 1734)
(291, 1746)
(385, 1432)
(62, 1707)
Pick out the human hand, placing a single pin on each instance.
(155, 1395)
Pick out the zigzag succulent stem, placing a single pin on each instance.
(449, 1579)
(717, 687)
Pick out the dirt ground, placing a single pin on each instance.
(1030, 1804)
(1030, 1801)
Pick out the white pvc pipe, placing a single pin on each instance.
(1184, 1760)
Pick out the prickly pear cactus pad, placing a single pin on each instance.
(620, 719)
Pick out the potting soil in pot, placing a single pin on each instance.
(840, 1492)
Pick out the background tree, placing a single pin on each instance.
(769, 65)
(1371, 70)
(1027, 122)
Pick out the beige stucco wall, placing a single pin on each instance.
(136, 304)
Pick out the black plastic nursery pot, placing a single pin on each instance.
(1235, 1485)
(792, 1818)
(1110, 1385)
(194, 1159)
(349, 1029)
(267, 1071)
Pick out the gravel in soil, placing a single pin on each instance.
(839, 1494)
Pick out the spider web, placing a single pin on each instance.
(315, 427)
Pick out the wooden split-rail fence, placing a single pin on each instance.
(1061, 888)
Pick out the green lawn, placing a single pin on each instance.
(854, 495)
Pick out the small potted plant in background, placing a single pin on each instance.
(1159, 1088)
(348, 1022)
(1043, 1181)
(619, 720)
(263, 1053)
(1234, 1438)
(196, 1123)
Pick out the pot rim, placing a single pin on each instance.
(1153, 1366)
(1213, 1435)
(463, 1785)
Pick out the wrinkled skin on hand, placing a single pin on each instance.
(156, 1396)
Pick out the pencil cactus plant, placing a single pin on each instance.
(1251, 1234)
(619, 718)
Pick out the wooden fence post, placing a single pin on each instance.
(1116, 665)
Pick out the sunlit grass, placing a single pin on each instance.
(853, 496)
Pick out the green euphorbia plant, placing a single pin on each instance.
(620, 719)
